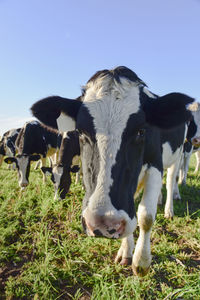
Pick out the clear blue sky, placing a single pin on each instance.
(52, 47)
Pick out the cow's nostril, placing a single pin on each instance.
(97, 232)
(112, 231)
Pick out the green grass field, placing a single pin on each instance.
(44, 253)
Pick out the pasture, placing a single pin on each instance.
(44, 253)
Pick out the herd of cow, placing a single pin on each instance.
(125, 137)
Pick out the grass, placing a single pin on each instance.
(45, 255)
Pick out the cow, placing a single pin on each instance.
(60, 172)
(34, 142)
(7, 143)
(119, 123)
(192, 143)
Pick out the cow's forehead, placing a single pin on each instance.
(110, 103)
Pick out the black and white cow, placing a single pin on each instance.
(34, 142)
(119, 123)
(192, 144)
(7, 143)
(60, 172)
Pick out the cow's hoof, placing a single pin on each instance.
(126, 261)
(139, 271)
(169, 215)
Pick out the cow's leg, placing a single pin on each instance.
(1, 159)
(146, 216)
(43, 164)
(186, 161)
(77, 177)
(125, 252)
(38, 163)
(160, 199)
(53, 159)
(197, 154)
(171, 179)
(176, 193)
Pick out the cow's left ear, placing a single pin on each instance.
(57, 112)
(168, 111)
(10, 160)
(35, 157)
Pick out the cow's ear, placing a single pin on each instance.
(47, 170)
(10, 160)
(57, 112)
(35, 157)
(168, 111)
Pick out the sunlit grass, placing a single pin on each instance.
(44, 253)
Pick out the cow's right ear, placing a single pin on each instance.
(57, 112)
(168, 111)
(10, 160)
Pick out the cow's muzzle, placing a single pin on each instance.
(104, 227)
(196, 141)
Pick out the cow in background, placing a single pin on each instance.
(7, 143)
(34, 142)
(192, 144)
(60, 172)
(119, 123)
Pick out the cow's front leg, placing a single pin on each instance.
(125, 252)
(43, 164)
(146, 216)
(170, 184)
(197, 155)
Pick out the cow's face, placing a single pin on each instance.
(112, 128)
(196, 139)
(23, 167)
(61, 178)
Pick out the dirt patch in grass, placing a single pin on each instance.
(11, 269)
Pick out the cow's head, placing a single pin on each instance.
(194, 126)
(22, 162)
(112, 117)
(61, 178)
(60, 173)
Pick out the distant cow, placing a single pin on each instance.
(119, 123)
(7, 143)
(60, 172)
(192, 144)
(34, 142)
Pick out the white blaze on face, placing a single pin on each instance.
(110, 104)
(23, 165)
(57, 172)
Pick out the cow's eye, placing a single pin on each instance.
(141, 132)
(140, 135)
